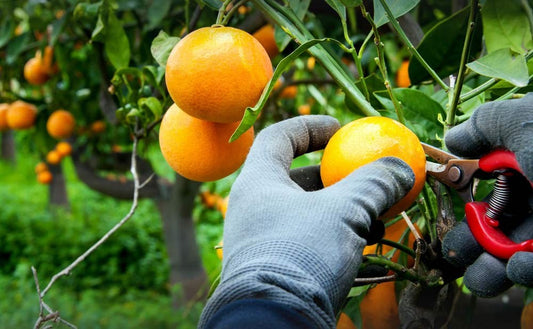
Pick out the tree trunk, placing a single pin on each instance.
(186, 268)
(57, 189)
(7, 150)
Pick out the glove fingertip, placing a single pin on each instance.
(487, 277)
(520, 268)
(459, 247)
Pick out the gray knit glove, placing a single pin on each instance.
(505, 124)
(297, 248)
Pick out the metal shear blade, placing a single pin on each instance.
(452, 171)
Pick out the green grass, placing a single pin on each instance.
(123, 284)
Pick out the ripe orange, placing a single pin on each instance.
(53, 157)
(526, 320)
(344, 322)
(60, 124)
(311, 61)
(402, 76)
(40, 167)
(379, 308)
(393, 232)
(215, 73)
(44, 177)
(63, 148)
(265, 36)
(3, 116)
(21, 115)
(35, 72)
(199, 150)
(304, 109)
(365, 140)
(289, 92)
(98, 127)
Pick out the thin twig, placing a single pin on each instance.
(450, 119)
(377, 279)
(69, 268)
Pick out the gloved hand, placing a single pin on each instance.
(298, 248)
(505, 124)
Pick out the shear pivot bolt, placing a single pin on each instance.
(454, 174)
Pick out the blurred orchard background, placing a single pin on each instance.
(64, 185)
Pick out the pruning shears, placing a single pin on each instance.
(482, 217)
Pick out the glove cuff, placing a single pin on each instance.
(285, 272)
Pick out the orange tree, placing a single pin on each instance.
(336, 57)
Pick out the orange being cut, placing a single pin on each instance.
(365, 140)
(215, 73)
(200, 150)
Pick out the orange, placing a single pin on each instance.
(265, 36)
(304, 109)
(63, 148)
(311, 61)
(402, 75)
(344, 322)
(53, 157)
(98, 127)
(35, 72)
(289, 92)
(526, 320)
(209, 199)
(60, 124)
(21, 115)
(364, 140)
(199, 150)
(379, 308)
(3, 116)
(44, 177)
(215, 73)
(40, 167)
(394, 233)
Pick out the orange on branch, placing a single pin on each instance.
(35, 72)
(379, 308)
(200, 150)
(215, 73)
(344, 322)
(53, 157)
(402, 75)
(3, 116)
(60, 124)
(98, 127)
(64, 149)
(21, 115)
(304, 109)
(367, 139)
(265, 36)
(45, 177)
(40, 167)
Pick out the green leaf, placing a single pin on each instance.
(116, 44)
(339, 7)
(16, 46)
(352, 3)
(157, 10)
(213, 4)
(420, 111)
(162, 46)
(251, 113)
(6, 31)
(99, 30)
(151, 104)
(505, 25)
(466, 108)
(397, 7)
(299, 9)
(502, 64)
(442, 46)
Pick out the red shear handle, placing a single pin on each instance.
(492, 239)
(499, 160)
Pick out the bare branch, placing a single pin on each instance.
(66, 271)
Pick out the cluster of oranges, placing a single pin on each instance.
(213, 74)
(53, 157)
(18, 115)
(40, 68)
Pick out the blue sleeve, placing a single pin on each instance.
(257, 314)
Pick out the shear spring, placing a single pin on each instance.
(500, 197)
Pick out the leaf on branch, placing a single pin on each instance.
(503, 64)
(505, 25)
(251, 113)
(162, 46)
(397, 7)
